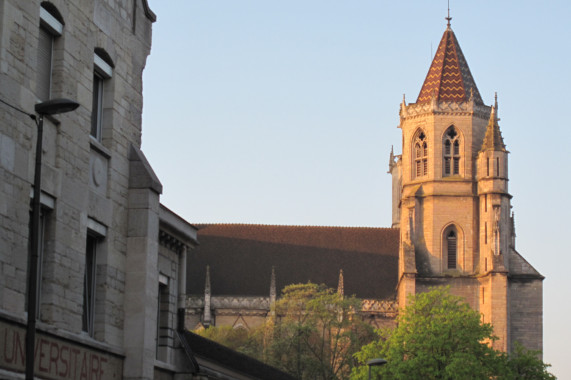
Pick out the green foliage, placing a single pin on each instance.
(440, 337)
(235, 339)
(524, 364)
(313, 333)
(316, 333)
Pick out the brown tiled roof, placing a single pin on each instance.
(232, 360)
(493, 139)
(449, 77)
(241, 257)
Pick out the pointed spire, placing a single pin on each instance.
(493, 139)
(207, 316)
(273, 293)
(340, 284)
(448, 18)
(449, 77)
(391, 159)
(273, 286)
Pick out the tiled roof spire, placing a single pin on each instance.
(449, 77)
(493, 139)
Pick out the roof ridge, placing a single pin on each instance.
(289, 225)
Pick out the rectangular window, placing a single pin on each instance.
(447, 166)
(95, 235)
(101, 73)
(418, 172)
(47, 204)
(89, 284)
(163, 317)
(45, 47)
(97, 110)
(425, 166)
(488, 167)
(497, 166)
(50, 28)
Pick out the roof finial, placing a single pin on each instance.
(448, 18)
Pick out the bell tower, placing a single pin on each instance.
(442, 134)
(451, 202)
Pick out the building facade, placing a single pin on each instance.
(452, 225)
(111, 259)
(111, 273)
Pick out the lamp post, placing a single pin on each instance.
(49, 107)
(375, 362)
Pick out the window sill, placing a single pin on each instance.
(97, 146)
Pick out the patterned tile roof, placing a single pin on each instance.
(449, 77)
(493, 139)
(241, 257)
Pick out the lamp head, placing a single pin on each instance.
(55, 106)
(376, 362)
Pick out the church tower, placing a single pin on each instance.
(451, 202)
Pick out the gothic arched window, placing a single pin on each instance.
(452, 248)
(451, 152)
(420, 168)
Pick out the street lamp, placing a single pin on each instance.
(49, 107)
(375, 362)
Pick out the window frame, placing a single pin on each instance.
(96, 233)
(102, 72)
(51, 27)
(420, 155)
(47, 204)
(451, 156)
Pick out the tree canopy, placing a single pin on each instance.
(440, 337)
(312, 333)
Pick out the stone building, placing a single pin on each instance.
(452, 225)
(111, 259)
(453, 207)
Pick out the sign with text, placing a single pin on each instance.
(56, 358)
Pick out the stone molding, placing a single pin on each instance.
(444, 107)
(226, 305)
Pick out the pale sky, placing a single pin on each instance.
(284, 112)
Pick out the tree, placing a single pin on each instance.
(440, 337)
(312, 333)
(524, 364)
(316, 332)
(236, 339)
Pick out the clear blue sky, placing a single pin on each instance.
(284, 112)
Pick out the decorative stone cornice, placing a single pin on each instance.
(414, 110)
(387, 307)
(169, 241)
(228, 305)
(230, 302)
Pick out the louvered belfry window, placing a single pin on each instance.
(420, 156)
(451, 153)
(452, 249)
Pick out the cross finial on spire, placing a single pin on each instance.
(448, 18)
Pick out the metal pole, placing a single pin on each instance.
(33, 273)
